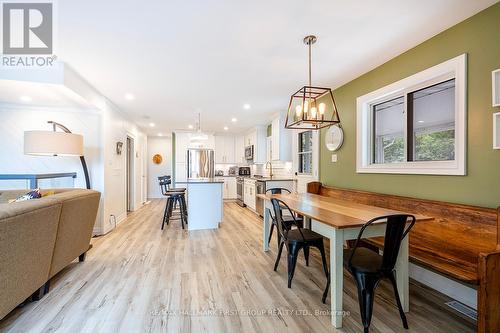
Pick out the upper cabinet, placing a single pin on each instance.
(239, 150)
(281, 140)
(225, 149)
(257, 139)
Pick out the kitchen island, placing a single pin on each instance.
(204, 202)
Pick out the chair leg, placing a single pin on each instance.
(398, 301)
(166, 215)
(271, 233)
(279, 256)
(293, 253)
(306, 254)
(182, 211)
(366, 295)
(183, 198)
(321, 248)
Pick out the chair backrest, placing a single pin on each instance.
(164, 182)
(278, 190)
(278, 205)
(395, 232)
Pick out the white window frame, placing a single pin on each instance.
(305, 152)
(454, 68)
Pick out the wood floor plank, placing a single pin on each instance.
(141, 279)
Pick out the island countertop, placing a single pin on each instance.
(200, 181)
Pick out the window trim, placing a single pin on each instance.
(453, 68)
(304, 152)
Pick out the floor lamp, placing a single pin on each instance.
(54, 143)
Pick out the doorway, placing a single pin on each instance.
(130, 174)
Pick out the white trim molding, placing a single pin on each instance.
(454, 68)
(495, 87)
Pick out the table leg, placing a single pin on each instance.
(307, 222)
(267, 225)
(402, 277)
(336, 275)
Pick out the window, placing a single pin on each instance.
(305, 152)
(416, 125)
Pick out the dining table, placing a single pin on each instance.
(339, 221)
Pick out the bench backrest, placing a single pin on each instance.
(458, 231)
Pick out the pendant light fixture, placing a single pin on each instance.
(198, 136)
(311, 107)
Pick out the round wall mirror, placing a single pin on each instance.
(334, 138)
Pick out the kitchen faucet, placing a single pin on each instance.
(270, 168)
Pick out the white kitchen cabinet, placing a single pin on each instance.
(281, 140)
(249, 193)
(180, 172)
(269, 149)
(224, 149)
(239, 150)
(228, 188)
(257, 139)
(181, 146)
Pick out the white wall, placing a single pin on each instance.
(162, 146)
(14, 121)
(116, 128)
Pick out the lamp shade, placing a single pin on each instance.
(53, 143)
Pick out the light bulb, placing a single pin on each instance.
(322, 108)
(298, 110)
(306, 106)
(314, 111)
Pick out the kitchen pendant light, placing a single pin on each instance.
(311, 107)
(198, 135)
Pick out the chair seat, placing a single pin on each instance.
(364, 260)
(310, 236)
(180, 189)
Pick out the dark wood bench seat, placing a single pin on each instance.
(462, 242)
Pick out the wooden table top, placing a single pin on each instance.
(334, 212)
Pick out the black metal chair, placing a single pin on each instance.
(288, 221)
(369, 267)
(294, 240)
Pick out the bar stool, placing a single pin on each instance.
(172, 199)
(165, 182)
(175, 196)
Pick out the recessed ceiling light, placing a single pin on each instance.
(25, 98)
(151, 124)
(234, 120)
(190, 126)
(226, 128)
(129, 96)
(246, 106)
(421, 121)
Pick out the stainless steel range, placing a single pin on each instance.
(243, 172)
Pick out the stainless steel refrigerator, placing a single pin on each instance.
(200, 163)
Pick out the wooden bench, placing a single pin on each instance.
(462, 242)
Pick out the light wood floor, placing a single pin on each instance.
(140, 279)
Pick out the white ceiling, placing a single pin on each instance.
(178, 57)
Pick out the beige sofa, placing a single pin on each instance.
(39, 237)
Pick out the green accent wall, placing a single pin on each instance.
(269, 130)
(479, 37)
